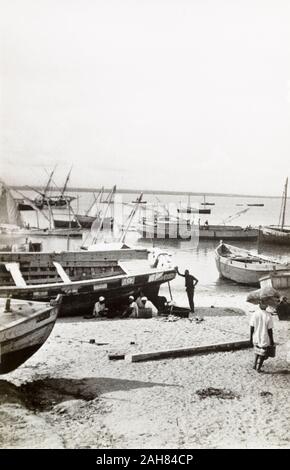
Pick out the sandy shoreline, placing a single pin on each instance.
(69, 395)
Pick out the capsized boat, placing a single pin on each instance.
(115, 272)
(244, 267)
(24, 327)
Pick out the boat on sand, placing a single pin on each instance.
(24, 327)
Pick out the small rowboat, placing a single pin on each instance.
(243, 266)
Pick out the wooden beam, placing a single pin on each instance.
(190, 351)
(116, 357)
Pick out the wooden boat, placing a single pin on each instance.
(165, 228)
(83, 276)
(193, 210)
(22, 205)
(205, 203)
(225, 232)
(277, 280)
(13, 227)
(255, 205)
(189, 209)
(94, 216)
(27, 246)
(244, 267)
(278, 234)
(24, 327)
(85, 222)
(45, 200)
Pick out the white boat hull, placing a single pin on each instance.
(276, 235)
(248, 273)
(22, 335)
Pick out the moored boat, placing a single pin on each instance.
(166, 227)
(193, 210)
(243, 267)
(24, 327)
(278, 234)
(226, 232)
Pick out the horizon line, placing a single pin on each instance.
(146, 191)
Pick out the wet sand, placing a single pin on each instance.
(70, 395)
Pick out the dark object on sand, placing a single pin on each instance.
(116, 357)
(216, 392)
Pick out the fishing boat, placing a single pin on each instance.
(44, 199)
(24, 327)
(12, 225)
(225, 232)
(244, 267)
(189, 209)
(256, 205)
(206, 203)
(278, 234)
(193, 210)
(113, 271)
(165, 227)
(94, 216)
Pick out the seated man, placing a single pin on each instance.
(100, 309)
(132, 309)
(149, 306)
(139, 299)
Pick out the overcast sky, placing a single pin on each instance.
(156, 94)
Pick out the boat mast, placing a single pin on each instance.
(49, 181)
(110, 198)
(65, 184)
(284, 203)
(131, 217)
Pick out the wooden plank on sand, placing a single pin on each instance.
(116, 357)
(180, 352)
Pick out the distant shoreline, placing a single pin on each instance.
(149, 191)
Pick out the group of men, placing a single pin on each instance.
(135, 307)
(133, 310)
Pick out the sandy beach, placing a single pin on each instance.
(70, 395)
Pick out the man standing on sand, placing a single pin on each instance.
(261, 335)
(190, 283)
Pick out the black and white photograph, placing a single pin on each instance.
(144, 227)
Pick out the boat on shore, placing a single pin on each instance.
(114, 272)
(278, 234)
(24, 327)
(244, 267)
(277, 280)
